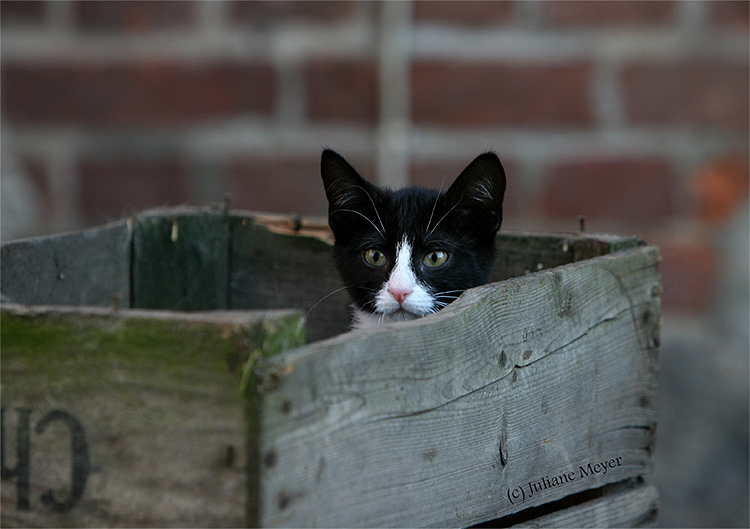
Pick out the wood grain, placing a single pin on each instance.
(523, 392)
(157, 396)
(90, 267)
(437, 422)
(520, 253)
(636, 507)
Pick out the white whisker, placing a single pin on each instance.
(361, 215)
(373, 206)
(446, 292)
(437, 199)
(441, 219)
(325, 297)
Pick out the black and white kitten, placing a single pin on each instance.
(408, 253)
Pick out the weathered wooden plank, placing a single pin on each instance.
(520, 253)
(520, 393)
(635, 507)
(180, 260)
(90, 267)
(133, 418)
(277, 270)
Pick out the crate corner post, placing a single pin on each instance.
(271, 338)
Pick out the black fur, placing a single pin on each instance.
(462, 221)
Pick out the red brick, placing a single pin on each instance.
(467, 13)
(19, 13)
(689, 276)
(568, 13)
(490, 94)
(696, 94)
(267, 13)
(280, 185)
(112, 189)
(137, 16)
(342, 90)
(440, 175)
(721, 187)
(134, 94)
(734, 15)
(633, 191)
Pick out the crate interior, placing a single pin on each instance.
(188, 259)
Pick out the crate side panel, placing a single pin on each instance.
(273, 270)
(180, 261)
(83, 268)
(148, 408)
(521, 393)
(520, 253)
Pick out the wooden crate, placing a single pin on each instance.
(179, 368)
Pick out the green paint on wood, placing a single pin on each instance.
(180, 262)
(158, 396)
(172, 351)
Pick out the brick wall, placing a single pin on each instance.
(634, 114)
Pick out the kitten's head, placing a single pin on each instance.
(408, 253)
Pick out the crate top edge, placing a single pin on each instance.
(314, 226)
(222, 316)
(125, 222)
(645, 252)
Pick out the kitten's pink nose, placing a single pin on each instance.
(399, 293)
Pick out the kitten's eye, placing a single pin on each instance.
(374, 257)
(435, 259)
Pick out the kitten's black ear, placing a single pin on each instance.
(351, 198)
(478, 191)
(342, 183)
